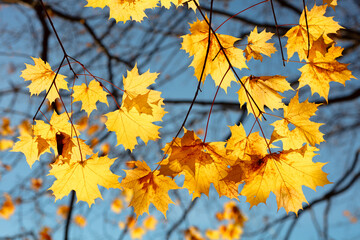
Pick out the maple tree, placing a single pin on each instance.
(275, 154)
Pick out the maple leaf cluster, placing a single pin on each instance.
(77, 167)
(281, 164)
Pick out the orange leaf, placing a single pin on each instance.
(7, 209)
(201, 163)
(80, 220)
(149, 187)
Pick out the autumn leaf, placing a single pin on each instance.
(128, 125)
(137, 95)
(201, 163)
(228, 231)
(64, 144)
(58, 124)
(36, 184)
(305, 131)
(80, 220)
(83, 177)
(140, 108)
(7, 208)
(117, 205)
(167, 3)
(89, 95)
(257, 45)
(32, 147)
(323, 69)
(284, 173)
(245, 147)
(193, 233)
(41, 77)
(232, 214)
(79, 151)
(63, 211)
(123, 11)
(196, 44)
(45, 233)
(149, 187)
(330, 3)
(5, 128)
(150, 223)
(6, 144)
(318, 26)
(264, 92)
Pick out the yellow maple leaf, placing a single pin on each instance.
(84, 177)
(305, 131)
(89, 95)
(7, 209)
(149, 187)
(202, 164)
(137, 95)
(32, 147)
(323, 69)
(41, 77)
(128, 125)
(140, 108)
(245, 147)
(257, 45)
(318, 25)
(264, 90)
(196, 44)
(124, 10)
(284, 174)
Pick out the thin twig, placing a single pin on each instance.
(68, 218)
